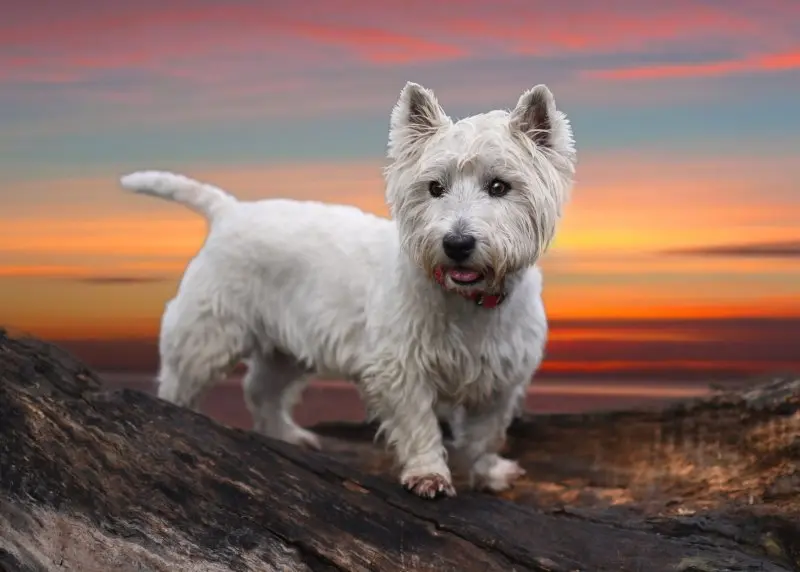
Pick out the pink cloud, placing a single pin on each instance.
(761, 63)
(543, 33)
(185, 36)
(186, 60)
(380, 46)
(171, 40)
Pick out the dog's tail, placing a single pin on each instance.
(202, 198)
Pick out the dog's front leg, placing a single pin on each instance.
(408, 422)
(479, 434)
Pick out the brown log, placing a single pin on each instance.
(93, 479)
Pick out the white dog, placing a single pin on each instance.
(437, 309)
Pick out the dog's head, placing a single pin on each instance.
(478, 198)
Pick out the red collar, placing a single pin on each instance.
(480, 298)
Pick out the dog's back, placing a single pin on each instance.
(269, 277)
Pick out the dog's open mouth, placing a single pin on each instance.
(464, 276)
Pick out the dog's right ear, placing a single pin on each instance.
(415, 118)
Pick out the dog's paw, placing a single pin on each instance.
(304, 438)
(429, 486)
(500, 476)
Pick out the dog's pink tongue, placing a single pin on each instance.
(464, 275)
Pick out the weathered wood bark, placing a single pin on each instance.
(96, 480)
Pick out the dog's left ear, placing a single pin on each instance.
(415, 118)
(536, 116)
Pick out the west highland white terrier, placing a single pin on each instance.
(435, 312)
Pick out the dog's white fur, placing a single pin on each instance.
(303, 288)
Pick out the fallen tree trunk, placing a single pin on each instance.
(98, 480)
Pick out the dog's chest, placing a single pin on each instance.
(469, 366)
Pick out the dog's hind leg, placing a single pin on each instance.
(197, 353)
(272, 387)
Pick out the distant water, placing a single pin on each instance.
(339, 401)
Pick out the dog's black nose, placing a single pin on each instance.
(458, 247)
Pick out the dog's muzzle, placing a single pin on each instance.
(482, 299)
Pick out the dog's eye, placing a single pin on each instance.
(498, 188)
(436, 189)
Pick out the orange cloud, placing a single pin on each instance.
(641, 208)
(56, 307)
(89, 274)
(601, 332)
(618, 300)
(762, 63)
(649, 367)
(61, 236)
(787, 249)
(84, 227)
(611, 349)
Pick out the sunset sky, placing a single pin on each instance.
(679, 254)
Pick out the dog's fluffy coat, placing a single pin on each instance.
(303, 288)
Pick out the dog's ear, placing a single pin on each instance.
(536, 116)
(415, 118)
(533, 115)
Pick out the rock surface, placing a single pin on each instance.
(98, 480)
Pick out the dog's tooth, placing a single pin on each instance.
(479, 301)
